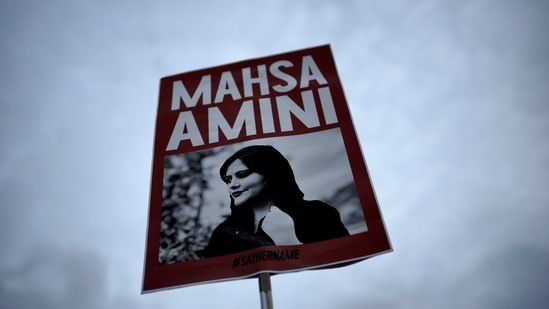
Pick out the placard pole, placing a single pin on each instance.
(265, 293)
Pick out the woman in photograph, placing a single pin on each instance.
(267, 206)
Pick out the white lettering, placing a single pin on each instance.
(267, 120)
(185, 129)
(289, 79)
(261, 79)
(308, 115)
(327, 105)
(227, 85)
(217, 121)
(180, 93)
(309, 72)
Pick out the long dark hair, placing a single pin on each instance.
(269, 162)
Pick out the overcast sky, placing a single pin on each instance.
(449, 99)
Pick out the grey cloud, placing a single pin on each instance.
(48, 276)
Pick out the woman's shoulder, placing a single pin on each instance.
(316, 221)
(315, 206)
(315, 210)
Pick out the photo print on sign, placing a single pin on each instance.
(196, 200)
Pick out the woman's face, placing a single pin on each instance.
(244, 185)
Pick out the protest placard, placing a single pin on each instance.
(257, 168)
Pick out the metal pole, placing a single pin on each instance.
(265, 293)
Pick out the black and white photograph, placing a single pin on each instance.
(246, 195)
